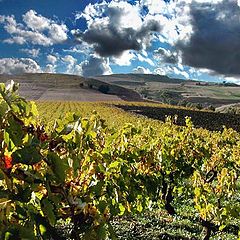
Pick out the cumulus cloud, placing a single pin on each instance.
(125, 59)
(94, 66)
(36, 30)
(215, 42)
(82, 48)
(201, 34)
(31, 52)
(116, 27)
(166, 56)
(18, 66)
(52, 63)
(174, 17)
(52, 59)
(144, 58)
(233, 80)
(141, 70)
(50, 68)
(172, 71)
(70, 61)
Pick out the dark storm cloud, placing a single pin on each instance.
(111, 41)
(215, 42)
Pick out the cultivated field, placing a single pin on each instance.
(177, 91)
(158, 224)
(118, 113)
(204, 119)
(110, 169)
(128, 87)
(67, 88)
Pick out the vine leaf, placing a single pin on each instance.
(48, 210)
(58, 165)
(27, 155)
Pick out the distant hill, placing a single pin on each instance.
(139, 78)
(45, 86)
(129, 87)
(174, 91)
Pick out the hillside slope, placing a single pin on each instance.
(177, 91)
(129, 87)
(44, 86)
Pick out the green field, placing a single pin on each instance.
(115, 117)
(152, 224)
(101, 172)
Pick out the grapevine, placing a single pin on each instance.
(81, 172)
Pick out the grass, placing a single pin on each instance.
(159, 225)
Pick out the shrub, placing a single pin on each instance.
(104, 89)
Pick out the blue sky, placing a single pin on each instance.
(196, 39)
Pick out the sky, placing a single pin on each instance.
(191, 39)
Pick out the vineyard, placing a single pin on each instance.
(97, 171)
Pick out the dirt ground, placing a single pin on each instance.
(82, 95)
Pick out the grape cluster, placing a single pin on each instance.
(38, 131)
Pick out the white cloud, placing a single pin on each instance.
(122, 13)
(18, 66)
(51, 59)
(125, 59)
(83, 49)
(31, 52)
(167, 56)
(233, 80)
(141, 70)
(172, 71)
(115, 27)
(181, 72)
(37, 30)
(78, 69)
(155, 6)
(128, 15)
(174, 17)
(92, 11)
(125, 14)
(58, 33)
(146, 59)
(50, 68)
(18, 40)
(36, 22)
(2, 18)
(70, 61)
(94, 66)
